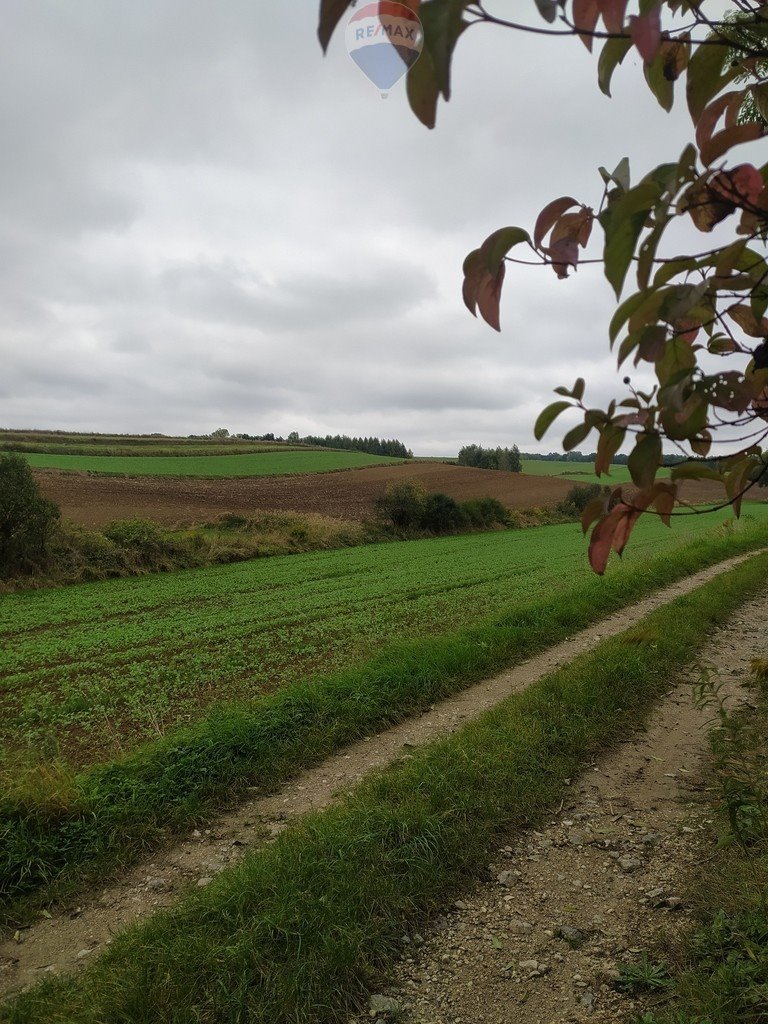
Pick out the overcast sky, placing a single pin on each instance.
(204, 223)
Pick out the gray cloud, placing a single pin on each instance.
(205, 222)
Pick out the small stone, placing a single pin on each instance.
(205, 880)
(629, 864)
(83, 954)
(507, 878)
(382, 1004)
(517, 926)
(587, 999)
(157, 884)
(674, 903)
(572, 936)
(576, 837)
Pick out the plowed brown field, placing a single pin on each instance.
(348, 494)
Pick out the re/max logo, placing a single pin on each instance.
(392, 31)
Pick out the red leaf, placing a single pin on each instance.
(489, 296)
(645, 31)
(611, 532)
(549, 216)
(593, 510)
(602, 539)
(474, 267)
(613, 12)
(585, 15)
(675, 55)
(625, 526)
(742, 184)
(665, 503)
(576, 226)
(687, 328)
(706, 207)
(563, 254)
(711, 114)
(748, 322)
(727, 139)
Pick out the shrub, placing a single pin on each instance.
(441, 514)
(577, 499)
(26, 517)
(485, 512)
(402, 505)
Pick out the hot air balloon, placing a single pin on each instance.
(384, 39)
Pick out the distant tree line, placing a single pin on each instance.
(371, 445)
(507, 459)
(618, 460)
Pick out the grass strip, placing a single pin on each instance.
(300, 929)
(124, 808)
(718, 972)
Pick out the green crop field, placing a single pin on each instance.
(582, 472)
(276, 463)
(88, 671)
(51, 443)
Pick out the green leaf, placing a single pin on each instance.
(621, 173)
(442, 23)
(611, 439)
(705, 76)
(547, 417)
(423, 90)
(576, 392)
(647, 252)
(623, 222)
(575, 436)
(548, 9)
(612, 54)
(695, 471)
(497, 245)
(627, 347)
(644, 459)
(672, 268)
(624, 312)
(678, 358)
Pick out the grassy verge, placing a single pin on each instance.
(54, 829)
(299, 930)
(719, 973)
(135, 547)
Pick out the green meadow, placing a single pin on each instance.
(274, 463)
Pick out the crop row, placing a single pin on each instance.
(90, 670)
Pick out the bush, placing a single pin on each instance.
(577, 499)
(484, 512)
(408, 507)
(26, 517)
(402, 505)
(441, 514)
